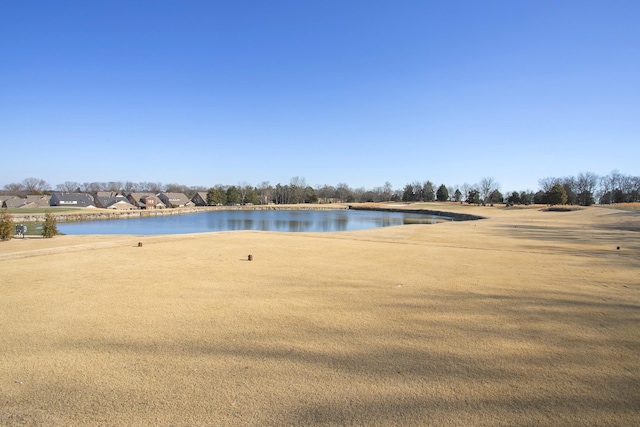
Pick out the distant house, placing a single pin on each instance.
(118, 203)
(200, 198)
(175, 200)
(107, 194)
(35, 201)
(145, 201)
(75, 200)
(39, 200)
(13, 202)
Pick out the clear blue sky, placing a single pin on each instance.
(360, 92)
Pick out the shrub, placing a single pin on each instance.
(49, 228)
(6, 226)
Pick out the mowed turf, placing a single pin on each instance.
(523, 318)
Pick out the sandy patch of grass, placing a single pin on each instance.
(527, 317)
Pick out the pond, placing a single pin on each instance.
(264, 220)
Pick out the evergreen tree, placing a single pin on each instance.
(216, 196)
(233, 195)
(49, 228)
(6, 226)
(526, 198)
(428, 194)
(572, 198)
(539, 197)
(252, 196)
(407, 194)
(212, 196)
(473, 197)
(585, 198)
(310, 195)
(442, 195)
(556, 195)
(495, 197)
(514, 198)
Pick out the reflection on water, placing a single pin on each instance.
(289, 221)
(272, 220)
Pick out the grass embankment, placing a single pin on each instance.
(525, 318)
(635, 206)
(41, 211)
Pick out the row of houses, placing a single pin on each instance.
(107, 200)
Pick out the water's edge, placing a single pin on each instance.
(91, 215)
(453, 215)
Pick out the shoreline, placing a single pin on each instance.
(454, 216)
(95, 214)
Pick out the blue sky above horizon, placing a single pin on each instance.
(356, 92)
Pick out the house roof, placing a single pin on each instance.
(139, 199)
(74, 199)
(119, 203)
(141, 196)
(175, 199)
(107, 201)
(39, 200)
(108, 194)
(14, 202)
(200, 195)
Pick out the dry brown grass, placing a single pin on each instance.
(525, 318)
(633, 206)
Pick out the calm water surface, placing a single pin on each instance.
(271, 220)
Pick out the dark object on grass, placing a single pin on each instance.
(139, 244)
(250, 257)
(618, 248)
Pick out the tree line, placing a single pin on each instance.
(584, 189)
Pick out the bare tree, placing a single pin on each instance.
(635, 183)
(487, 185)
(343, 192)
(358, 194)
(326, 192)
(92, 187)
(619, 188)
(130, 187)
(34, 185)
(585, 187)
(243, 188)
(569, 183)
(191, 191)
(176, 188)
(626, 184)
(281, 194)
(114, 186)
(546, 184)
(14, 188)
(610, 183)
(265, 192)
(387, 191)
(452, 189)
(152, 187)
(298, 187)
(68, 187)
(466, 187)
